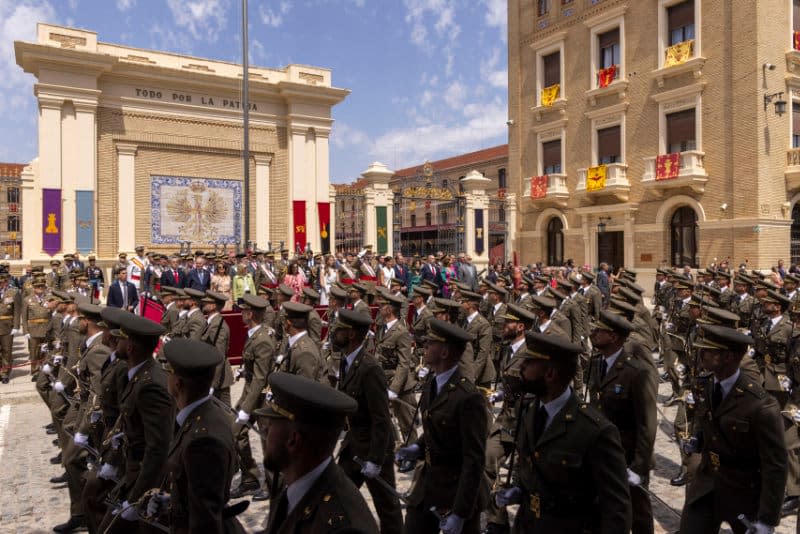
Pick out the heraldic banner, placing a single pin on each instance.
(679, 53)
(549, 95)
(479, 245)
(596, 178)
(84, 213)
(200, 210)
(299, 213)
(539, 186)
(668, 166)
(380, 222)
(324, 212)
(51, 221)
(606, 76)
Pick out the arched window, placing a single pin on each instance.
(555, 242)
(413, 219)
(683, 237)
(795, 242)
(428, 219)
(444, 217)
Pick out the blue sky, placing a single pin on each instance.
(428, 77)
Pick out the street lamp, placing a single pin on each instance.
(601, 226)
(780, 103)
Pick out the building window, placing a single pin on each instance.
(683, 232)
(428, 219)
(413, 219)
(681, 133)
(552, 69)
(12, 224)
(12, 195)
(555, 242)
(501, 215)
(444, 184)
(543, 7)
(609, 145)
(501, 178)
(609, 47)
(680, 22)
(795, 124)
(551, 157)
(443, 217)
(795, 240)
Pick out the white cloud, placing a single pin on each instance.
(18, 23)
(440, 13)
(492, 73)
(274, 18)
(344, 135)
(203, 19)
(454, 95)
(497, 16)
(125, 5)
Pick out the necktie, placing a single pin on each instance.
(603, 368)
(281, 512)
(124, 295)
(539, 422)
(768, 326)
(175, 275)
(434, 390)
(342, 370)
(177, 428)
(716, 397)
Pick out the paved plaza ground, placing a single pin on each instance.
(30, 504)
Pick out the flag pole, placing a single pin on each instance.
(246, 126)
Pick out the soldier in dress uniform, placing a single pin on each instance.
(258, 360)
(483, 365)
(311, 298)
(571, 476)
(742, 302)
(9, 325)
(218, 334)
(624, 389)
(453, 442)
(194, 323)
(202, 454)
(169, 317)
(678, 326)
(283, 295)
(358, 292)
(306, 418)
(543, 307)
(739, 432)
(367, 448)
(36, 319)
(137, 267)
(96, 277)
(56, 278)
(298, 354)
(500, 444)
(496, 310)
(122, 262)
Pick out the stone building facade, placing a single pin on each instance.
(10, 210)
(657, 132)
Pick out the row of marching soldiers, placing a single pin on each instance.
(571, 465)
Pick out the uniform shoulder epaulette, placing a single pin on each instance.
(331, 511)
(754, 389)
(199, 426)
(467, 386)
(592, 414)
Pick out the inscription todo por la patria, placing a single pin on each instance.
(185, 98)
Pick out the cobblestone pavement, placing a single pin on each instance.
(30, 504)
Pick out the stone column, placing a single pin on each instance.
(511, 225)
(31, 197)
(299, 188)
(332, 225)
(629, 252)
(126, 191)
(48, 175)
(377, 194)
(475, 185)
(262, 199)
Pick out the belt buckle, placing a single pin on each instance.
(536, 506)
(714, 460)
(768, 359)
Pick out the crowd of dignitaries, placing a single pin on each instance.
(150, 437)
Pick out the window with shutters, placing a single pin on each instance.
(555, 242)
(12, 195)
(428, 219)
(542, 7)
(796, 15)
(683, 233)
(501, 178)
(413, 219)
(680, 22)
(795, 124)
(681, 132)
(552, 69)
(609, 46)
(551, 157)
(609, 145)
(12, 224)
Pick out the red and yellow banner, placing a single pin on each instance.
(796, 40)
(299, 214)
(539, 186)
(668, 166)
(606, 76)
(324, 211)
(596, 178)
(679, 53)
(549, 94)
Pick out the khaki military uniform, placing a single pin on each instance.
(743, 306)
(170, 317)
(9, 319)
(484, 371)
(303, 358)
(393, 352)
(314, 326)
(194, 324)
(497, 322)
(218, 334)
(36, 319)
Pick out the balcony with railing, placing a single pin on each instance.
(549, 190)
(604, 181)
(681, 170)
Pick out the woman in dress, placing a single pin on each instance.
(243, 284)
(416, 278)
(221, 283)
(294, 279)
(329, 276)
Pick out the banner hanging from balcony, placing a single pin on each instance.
(324, 211)
(51, 221)
(668, 166)
(479, 231)
(299, 213)
(606, 76)
(84, 212)
(796, 40)
(380, 222)
(539, 186)
(679, 53)
(549, 95)
(596, 178)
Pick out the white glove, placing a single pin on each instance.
(392, 394)
(633, 478)
(680, 369)
(751, 352)
(760, 528)
(58, 359)
(690, 446)
(280, 358)
(27, 337)
(210, 391)
(15, 332)
(371, 470)
(785, 382)
(116, 440)
(242, 417)
(58, 386)
(107, 472)
(508, 496)
(497, 396)
(412, 452)
(81, 440)
(158, 504)
(238, 373)
(452, 524)
(423, 372)
(46, 369)
(689, 399)
(129, 512)
(796, 416)
(94, 416)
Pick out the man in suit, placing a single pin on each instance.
(202, 455)
(624, 390)
(123, 294)
(453, 442)
(199, 277)
(571, 476)
(740, 435)
(147, 412)
(467, 273)
(368, 445)
(401, 271)
(306, 418)
(217, 334)
(602, 281)
(173, 276)
(431, 272)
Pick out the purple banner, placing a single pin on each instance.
(51, 221)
